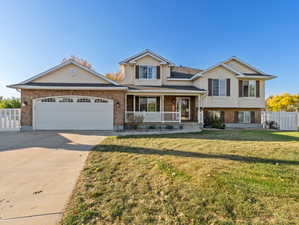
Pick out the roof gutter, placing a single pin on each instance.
(257, 77)
(184, 79)
(64, 87)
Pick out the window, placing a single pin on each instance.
(147, 72)
(83, 100)
(147, 104)
(249, 88)
(48, 100)
(215, 87)
(100, 100)
(66, 100)
(215, 115)
(218, 87)
(252, 88)
(244, 117)
(222, 88)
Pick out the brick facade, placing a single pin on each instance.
(27, 97)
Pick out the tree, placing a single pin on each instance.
(118, 76)
(81, 61)
(284, 102)
(10, 103)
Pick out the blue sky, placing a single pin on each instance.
(36, 35)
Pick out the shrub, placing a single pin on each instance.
(272, 125)
(169, 127)
(135, 121)
(152, 127)
(217, 123)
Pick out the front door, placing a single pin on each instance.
(183, 106)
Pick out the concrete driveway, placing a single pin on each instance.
(38, 171)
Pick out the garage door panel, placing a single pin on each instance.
(73, 115)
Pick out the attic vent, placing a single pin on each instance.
(73, 70)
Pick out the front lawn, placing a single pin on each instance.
(212, 177)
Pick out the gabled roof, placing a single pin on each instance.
(244, 63)
(146, 52)
(65, 63)
(239, 74)
(213, 67)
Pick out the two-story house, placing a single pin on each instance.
(153, 90)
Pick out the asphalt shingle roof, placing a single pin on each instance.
(166, 87)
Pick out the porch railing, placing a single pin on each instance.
(153, 116)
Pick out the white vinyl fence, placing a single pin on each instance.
(280, 120)
(10, 119)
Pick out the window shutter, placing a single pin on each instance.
(210, 87)
(158, 72)
(227, 87)
(222, 116)
(240, 88)
(252, 116)
(137, 103)
(158, 104)
(257, 88)
(236, 117)
(137, 72)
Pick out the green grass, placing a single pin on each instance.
(212, 177)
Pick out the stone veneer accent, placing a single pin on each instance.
(28, 95)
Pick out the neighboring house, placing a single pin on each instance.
(71, 96)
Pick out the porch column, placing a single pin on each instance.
(126, 96)
(162, 108)
(199, 110)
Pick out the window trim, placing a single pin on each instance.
(147, 106)
(250, 83)
(219, 89)
(154, 72)
(243, 122)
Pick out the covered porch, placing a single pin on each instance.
(163, 108)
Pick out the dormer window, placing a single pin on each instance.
(147, 73)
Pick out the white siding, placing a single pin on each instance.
(70, 74)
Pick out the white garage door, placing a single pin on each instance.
(73, 113)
